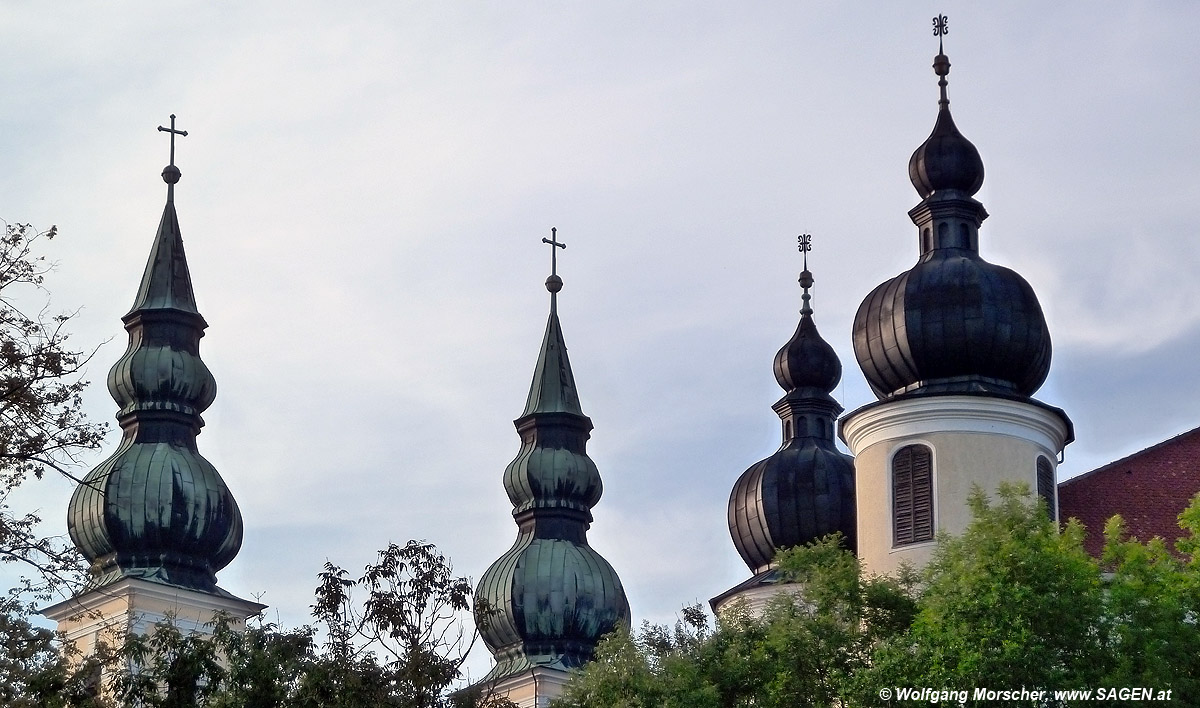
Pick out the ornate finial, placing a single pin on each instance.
(554, 283)
(940, 30)
(806, 279)
(941, 63)
(171, 173)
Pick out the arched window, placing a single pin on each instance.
(1045, 485)
(912, 495)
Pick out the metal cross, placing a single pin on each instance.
(554, 245)
(173, 133)
(805, 241)
(940, 30)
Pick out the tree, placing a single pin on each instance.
(34, 672)
(1153, 598)
(42, 424)
(1011, 603)
(401, 646)
(42, 428)
(803, 651)
(1014, 602)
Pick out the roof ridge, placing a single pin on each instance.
(1124, 459)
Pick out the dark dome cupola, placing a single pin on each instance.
(953, 322)
(946, 160)
(805, 490)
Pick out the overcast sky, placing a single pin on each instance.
(366, 186)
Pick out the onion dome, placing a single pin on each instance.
(805, 490)
(156, 509)
(946, 160)
(953, 323)
(550, 598)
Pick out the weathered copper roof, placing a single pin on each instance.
(156, 509)
(805, 490)
(553, 388)
(550, 598)
(953, 323)
(166, 284)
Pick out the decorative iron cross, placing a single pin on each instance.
(173, 133)
(940, 30)
(805, 241)
(554, 246)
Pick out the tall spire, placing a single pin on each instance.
(553, 389)
(548, 600)
(166, 283)
(156, 509)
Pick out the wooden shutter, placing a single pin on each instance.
(1045, 485)
(912, 495)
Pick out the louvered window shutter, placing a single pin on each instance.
(912, 495)
(1045, 485)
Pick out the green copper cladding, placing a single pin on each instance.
(156, 509)
(550, 598)
(553, 389)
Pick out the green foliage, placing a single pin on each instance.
(803, 650)
(1013, 602)
(399, 647)
(34, 672)
(1154, 607)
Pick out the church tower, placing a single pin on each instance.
(805, 490)
(542, 607)
(954, 349)
(155, 519)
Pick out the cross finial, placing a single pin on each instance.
(173, 133)
(171, 173)
(554, 283)
(806, 279)
(554, 246)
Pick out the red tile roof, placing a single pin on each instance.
(1148, 489)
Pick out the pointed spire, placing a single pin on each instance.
(553, 388)
(166, 283)
(806, 279)
(941, 63)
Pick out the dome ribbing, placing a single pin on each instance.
(551, 597)
(953, 323)
(805, 490)
(156, 509)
